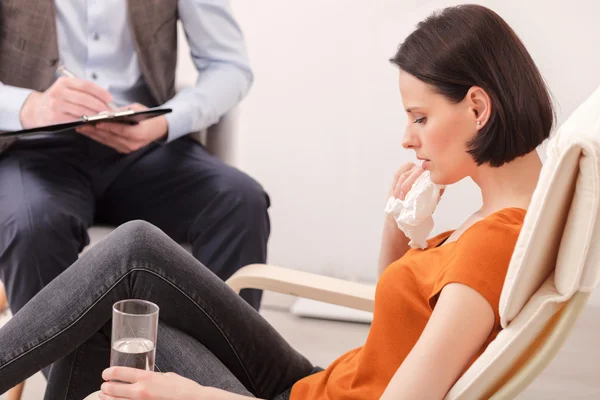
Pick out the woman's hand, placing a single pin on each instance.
(404, 178)
(393, 242)
(147, 385)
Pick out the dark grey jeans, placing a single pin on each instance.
(207, 332)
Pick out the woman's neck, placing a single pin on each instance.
(510, 185)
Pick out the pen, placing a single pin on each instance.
(62, 70)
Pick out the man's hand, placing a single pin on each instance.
(146, 385)
(66, 100)
(127, 138)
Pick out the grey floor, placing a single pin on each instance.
(574, 374)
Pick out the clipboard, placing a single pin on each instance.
(128, 117)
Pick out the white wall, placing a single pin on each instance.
(322, 125)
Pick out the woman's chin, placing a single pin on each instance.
(441, 178)
(435, 178)
(445, 179)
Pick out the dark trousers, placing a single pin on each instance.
(206, 332)
(52, 190)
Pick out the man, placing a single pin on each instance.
(123, 52)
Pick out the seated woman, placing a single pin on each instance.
(477, 107)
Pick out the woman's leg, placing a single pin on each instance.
(79, 373)
(180, 353)
(139, 261)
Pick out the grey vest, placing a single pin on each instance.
(29, 49)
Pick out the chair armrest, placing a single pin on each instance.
(304, 284)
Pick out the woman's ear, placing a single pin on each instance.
(480, 105)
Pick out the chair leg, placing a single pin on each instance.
(3, 300)
(16, 392)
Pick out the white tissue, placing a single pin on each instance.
(413, 214)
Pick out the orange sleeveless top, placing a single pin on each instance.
(405, 297)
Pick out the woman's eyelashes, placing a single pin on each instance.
(420, 120)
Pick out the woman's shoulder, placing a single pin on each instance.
(502, 226)
(483, 251)
(510, 216)
(504, 223)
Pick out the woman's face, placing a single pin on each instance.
(438, 130)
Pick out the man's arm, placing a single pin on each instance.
(219, 54)
(12, 99)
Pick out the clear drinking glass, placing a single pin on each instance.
(134, 329)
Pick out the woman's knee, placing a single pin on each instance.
(133, 241)
(135, 231)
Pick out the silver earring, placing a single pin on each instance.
(478, 123)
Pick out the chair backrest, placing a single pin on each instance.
(555, 265)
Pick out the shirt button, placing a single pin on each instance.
(96, 36)
(94, 76)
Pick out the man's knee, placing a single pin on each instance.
(37, 243)
(245, 194)
(40, 227)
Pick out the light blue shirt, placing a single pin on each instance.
(95, 43)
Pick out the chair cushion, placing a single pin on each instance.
(561, 221)
(554, 256)
(557, 231)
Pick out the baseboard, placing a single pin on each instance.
(316, 309)
(277, 301)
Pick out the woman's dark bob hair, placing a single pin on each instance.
(470, 45)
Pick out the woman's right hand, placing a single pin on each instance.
(393, 242)
(404, 178)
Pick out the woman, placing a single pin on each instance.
(477, 107)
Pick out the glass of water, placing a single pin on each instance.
(134, 329)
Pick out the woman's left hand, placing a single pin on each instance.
(147, 385)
